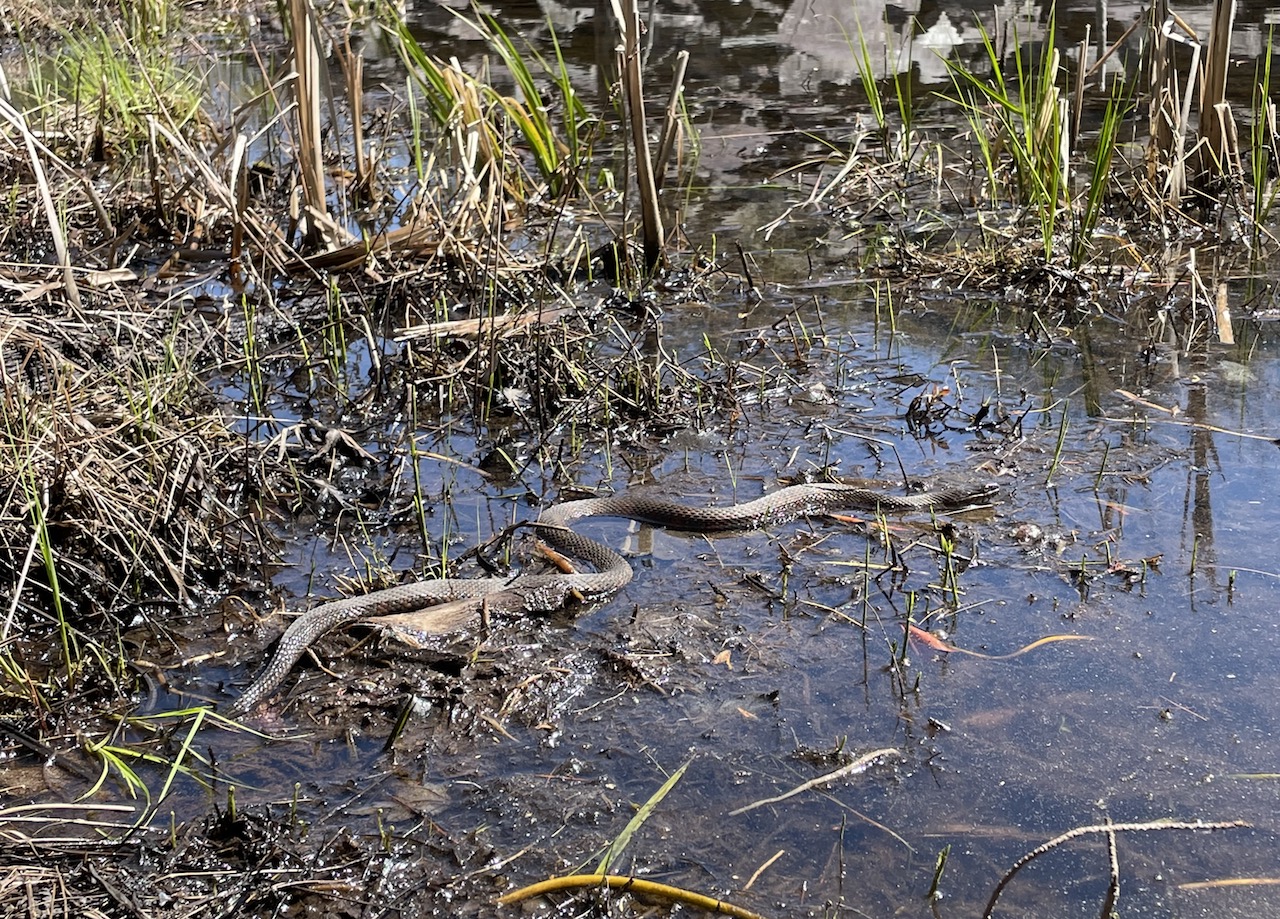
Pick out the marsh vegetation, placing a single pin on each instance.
(306, 300)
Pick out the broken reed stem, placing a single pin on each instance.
(671, 120)
(1109, 828)
(14, 117)
(1216, 149)
(1222, 315)
(1160, 91)
(1170, 106)
(238, 177)
(306, 63)
(352, 64)
(633, 86)
(1077, 108)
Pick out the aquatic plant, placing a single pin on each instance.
(555, 134)
(1263, 133)
(1022, 112)
(900, 70)
(559, 150)
(870, 86)
(116, 85)
(1119, 104)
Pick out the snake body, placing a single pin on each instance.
(546, 592)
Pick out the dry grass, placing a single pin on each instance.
(118, 476)
(142, 439)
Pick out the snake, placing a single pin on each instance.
(462, 598)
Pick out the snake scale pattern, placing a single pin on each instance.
(532, 593)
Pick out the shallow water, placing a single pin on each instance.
(761, 660)
(1169, 712)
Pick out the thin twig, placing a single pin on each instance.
(1113, 888)
(1093, 830)
(859, 765)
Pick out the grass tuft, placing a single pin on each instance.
(1019, 111)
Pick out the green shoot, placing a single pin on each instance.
(1057, 450)
(633, 825)
(1118, 105)
(938, 867)
(867, 76)
(1029, 122)
(1262, 134)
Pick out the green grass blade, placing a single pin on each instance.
(634, 824)
(176, 765)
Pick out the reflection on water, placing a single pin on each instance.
(826, 35)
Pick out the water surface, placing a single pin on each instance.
(764, 660)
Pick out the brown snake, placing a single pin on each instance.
(546, 592)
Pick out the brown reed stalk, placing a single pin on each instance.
(1170, 105)
(633, 89)
(1219, 147)
(1162, 93)
(352, 64)
(238, 175)
(307, 65)
(671, 120)
(1077, 106)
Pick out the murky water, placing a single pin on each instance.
(1145, 526)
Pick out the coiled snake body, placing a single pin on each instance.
(546, 592)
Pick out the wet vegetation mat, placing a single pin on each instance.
(923, 360)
